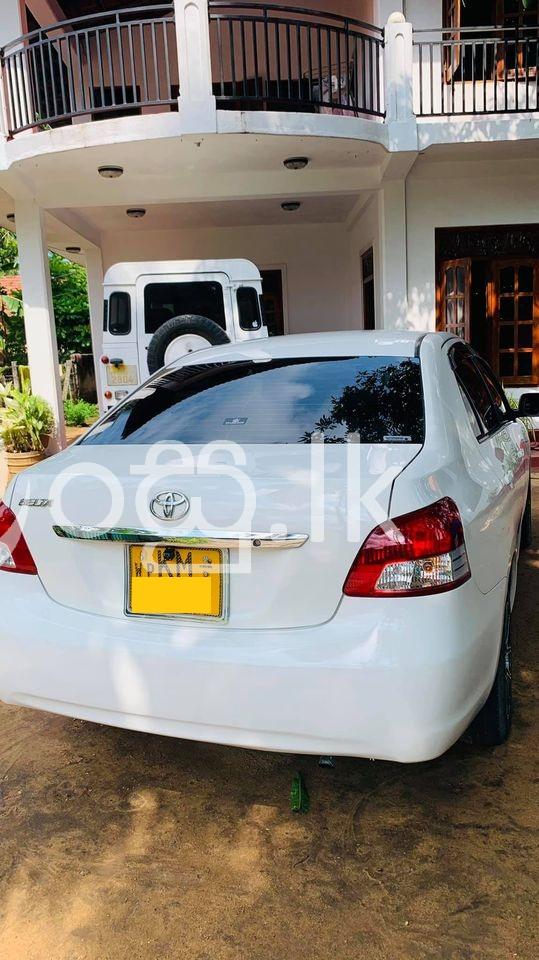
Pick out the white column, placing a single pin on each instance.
(398, 84)
(38, 312)
(94, 269)
(196, 101)
(393, 255)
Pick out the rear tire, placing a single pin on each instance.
(526, 534)
(492, 724)
(189, 325)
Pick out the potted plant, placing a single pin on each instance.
(26, 424)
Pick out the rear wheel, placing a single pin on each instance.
(526, 535)
(493, 723)
(180, 336)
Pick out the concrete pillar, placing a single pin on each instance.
(399, 84)
(393, 255)
(38, 312)
(196, 101)
(94, 268)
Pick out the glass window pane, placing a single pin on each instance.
(507, 308)
(507, 280)
(476, 389)
(506, 364)
(280, 401)
(119, 313)
(525, 279)
(507, 336)
(461, 279)
(525, 335)
(162, 301)
(450, 281)
(460, 319)
(524, 364)
(249, 308)
(450, 314)
(525, 308)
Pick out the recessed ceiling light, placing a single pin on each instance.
(136, 212)
(290, 205)
(72, 249)
(296, 163)
(10, 217)
(110, 171)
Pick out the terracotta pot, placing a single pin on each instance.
(17, 462)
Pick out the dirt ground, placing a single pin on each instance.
(120, 845)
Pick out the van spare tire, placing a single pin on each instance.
(179, 336)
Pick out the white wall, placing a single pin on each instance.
(477, 197)
(316, 258)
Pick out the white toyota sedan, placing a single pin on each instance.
(308, 544)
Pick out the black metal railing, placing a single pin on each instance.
(476, 70)
(101, 64)
(273, 57)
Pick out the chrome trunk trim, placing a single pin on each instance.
(216, 538)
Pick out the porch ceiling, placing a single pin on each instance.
(227, 213)
(221, 167)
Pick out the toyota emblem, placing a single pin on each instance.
(169, 506)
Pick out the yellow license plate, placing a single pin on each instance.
(170, 580)
(124, 375)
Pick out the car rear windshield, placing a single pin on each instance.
(330, 400)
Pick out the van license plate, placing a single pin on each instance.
(123, 375)
(171, 580)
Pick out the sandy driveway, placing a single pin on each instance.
(121, 845)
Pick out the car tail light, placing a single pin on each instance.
(419, 553)
(15, 556)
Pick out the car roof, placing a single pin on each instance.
(388, 343)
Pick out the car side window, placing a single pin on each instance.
(475, 389)
(500, 400)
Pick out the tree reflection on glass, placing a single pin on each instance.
(381, 403)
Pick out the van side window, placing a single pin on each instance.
(163, 301)
(249, 308)
(119, 313)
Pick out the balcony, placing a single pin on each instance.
(273, 57)
(250, 56)
(477, 70)
(105, 64)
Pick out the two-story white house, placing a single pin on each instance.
(416, 206)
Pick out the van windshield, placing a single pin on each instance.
(330, 400)
(163, 301)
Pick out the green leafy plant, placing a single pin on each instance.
(26, 421)
(69, 298)
(528, 423)
(80, 413)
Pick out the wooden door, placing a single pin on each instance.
(516, 320)
(454, 297)
(272, 301)
(451, 18)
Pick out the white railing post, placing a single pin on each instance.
(398, 82)
(196, 101)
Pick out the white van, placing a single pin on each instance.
(156, 312)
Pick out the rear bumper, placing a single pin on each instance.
(395, 679)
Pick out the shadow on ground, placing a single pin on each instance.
(121, 845)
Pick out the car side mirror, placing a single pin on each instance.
(528, 405)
